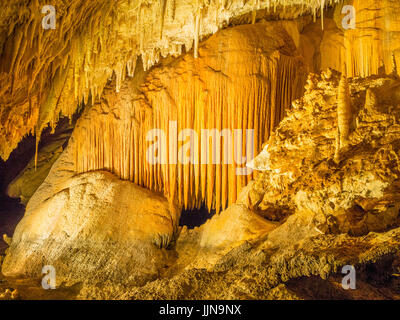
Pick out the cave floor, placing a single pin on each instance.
(32, 290)
(304, 288)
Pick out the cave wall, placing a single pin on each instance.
(372, 47)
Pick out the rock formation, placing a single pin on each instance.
(355, 195)
(32, 176)
(196, 94)
(87, 219)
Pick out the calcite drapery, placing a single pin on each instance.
(47, 72)
(244, 79)
(369, 48)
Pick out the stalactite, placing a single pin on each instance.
(322, 13)
(163, 4)
(370, 43)
(197, 33)
(98, 35)
(171, 10)
(131, 66)
(37, 139)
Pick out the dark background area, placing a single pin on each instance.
(196, 217)
(11, 210)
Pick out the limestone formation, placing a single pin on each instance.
(73, 63)
(344, 112)
(195, 94)
(94, 221)
(48, 72)
(355, 195)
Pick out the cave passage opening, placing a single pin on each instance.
(192, 218)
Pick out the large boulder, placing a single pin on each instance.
(203, 246)
(95, 227)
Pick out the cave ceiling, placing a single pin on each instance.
(45, 73)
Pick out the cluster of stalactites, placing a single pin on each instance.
(54, 71)
(121, 144)
(370, 47)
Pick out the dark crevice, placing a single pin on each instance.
(11, 212)
(196, 217)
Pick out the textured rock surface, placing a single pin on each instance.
(203, 246)
(356, 193)
(45, 72)
(371, 47)
(328, 194)
(306, 269)
(95, 227)
(328, 210)
(324, 218)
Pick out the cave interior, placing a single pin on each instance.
(199, 149)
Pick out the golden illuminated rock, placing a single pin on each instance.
(242, 85)
(94, 227)
(45, 72)
(344, 112)
(32, 176)
(356, 194)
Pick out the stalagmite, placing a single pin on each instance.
(344, 112)
(336, 156)
(394, 65)
(253, 16)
